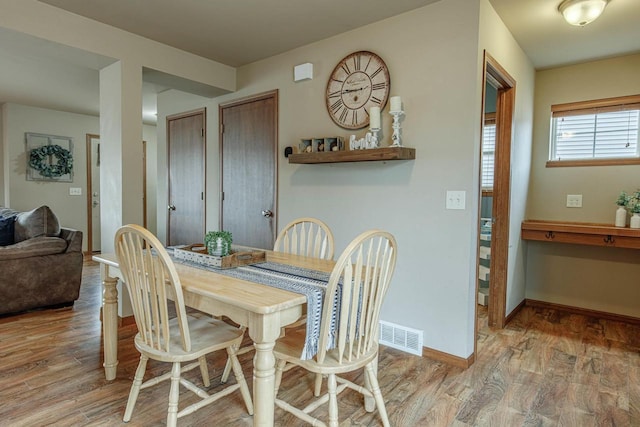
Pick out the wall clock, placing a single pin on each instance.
(359, 81)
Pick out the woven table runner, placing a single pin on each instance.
(310, 283)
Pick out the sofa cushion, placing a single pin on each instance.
(38, 222)
(6, 230)
(38, 246)
(7, 212)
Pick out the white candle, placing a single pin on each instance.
(396, 104)
(374, 117)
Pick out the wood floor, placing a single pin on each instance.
(546, 368)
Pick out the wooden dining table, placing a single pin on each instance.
(263, 309)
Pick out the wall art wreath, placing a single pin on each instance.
(49, 157)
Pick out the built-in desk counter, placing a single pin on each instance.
(581, 233)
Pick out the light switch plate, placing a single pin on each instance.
(574, 200)
(75, 191)
(456, 199)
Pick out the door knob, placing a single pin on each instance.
(267, 213)
(171, 207)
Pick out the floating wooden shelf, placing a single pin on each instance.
(373, 155)
(581, 233)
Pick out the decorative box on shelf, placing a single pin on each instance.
(321, 145)
(197, 253)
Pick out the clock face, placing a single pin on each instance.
(360, 81)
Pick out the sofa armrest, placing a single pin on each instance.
(73, 238)
(36, 247)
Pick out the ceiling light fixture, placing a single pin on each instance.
(581, 12)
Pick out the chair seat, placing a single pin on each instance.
(207, 335)
(289, 348)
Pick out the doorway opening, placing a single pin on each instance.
(93, 191)
(493, 237)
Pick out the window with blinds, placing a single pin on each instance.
(488, 155)
(597, 130)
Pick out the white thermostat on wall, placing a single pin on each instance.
(303, 72)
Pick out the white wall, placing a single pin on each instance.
(27, 195)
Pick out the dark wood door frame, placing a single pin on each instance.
(498, 77)
(252, 98)
(89, 137)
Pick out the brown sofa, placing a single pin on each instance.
(42, 265)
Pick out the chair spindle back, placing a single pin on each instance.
(149, 275)
(306, 236)
(364, 270)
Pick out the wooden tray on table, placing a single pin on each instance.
(198, 253)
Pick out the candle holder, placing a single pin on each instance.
(373, 143)
(396, 128)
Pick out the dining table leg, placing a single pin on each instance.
(264, 329)
(110, 323)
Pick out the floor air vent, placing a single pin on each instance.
(401, 337)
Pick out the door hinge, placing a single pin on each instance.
(202, 132)
(221, 195)
(221, 127)
(202, 195)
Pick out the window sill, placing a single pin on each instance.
(592, 162)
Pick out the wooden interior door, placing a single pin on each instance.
(186, 208)
(248, 144)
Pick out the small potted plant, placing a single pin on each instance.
(623, 199)
(218, 243)
(621, 212)
(633, 204)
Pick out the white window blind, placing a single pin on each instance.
(597, 132)
(488, 155)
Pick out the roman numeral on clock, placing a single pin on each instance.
(343, 115)
(378, 86)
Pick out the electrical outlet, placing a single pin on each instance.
(75, 191)
(574, 200)
(456, 199)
